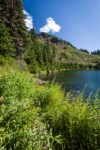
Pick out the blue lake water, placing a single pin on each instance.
(76, 81)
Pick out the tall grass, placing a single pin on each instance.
(36, 117)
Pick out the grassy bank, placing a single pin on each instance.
(36, 117)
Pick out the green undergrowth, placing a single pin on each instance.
(34, 117)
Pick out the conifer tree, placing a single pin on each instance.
(33, 34)
(6, 45)
(11, 12)
(49, 54)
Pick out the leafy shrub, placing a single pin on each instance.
(46, 95)
(41, 117)
(15, 85)
(21, 126)
(77, 122)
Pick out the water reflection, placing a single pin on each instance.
(76, 80)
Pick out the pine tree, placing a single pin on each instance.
(30, 58)
(54, 51)
(6, 45)
(33, 34)
(49, 53)
(11, 12)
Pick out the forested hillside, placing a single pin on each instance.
(39, 51)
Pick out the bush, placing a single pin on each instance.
(15, 85)
(42, 117)
(21, 126)
(48, 95)
(77, 122)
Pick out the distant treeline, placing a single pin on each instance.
(75, 66)
(97, 52)
(84, 50)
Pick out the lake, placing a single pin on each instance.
(76, 81)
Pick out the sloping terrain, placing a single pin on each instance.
(66, 52)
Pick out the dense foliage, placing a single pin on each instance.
(41, 117)
(11, 12)
(17, 42)
(6, 45)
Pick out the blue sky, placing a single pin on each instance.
(76, 21)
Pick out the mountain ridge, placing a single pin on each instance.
(54, 39)
(68, 52)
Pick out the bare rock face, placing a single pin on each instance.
(54, 40)
(41, 82)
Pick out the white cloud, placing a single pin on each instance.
(28, 20)
(51, 26)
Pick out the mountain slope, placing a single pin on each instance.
(66, 52)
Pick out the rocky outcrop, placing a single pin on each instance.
(41, 82)
(54, 40)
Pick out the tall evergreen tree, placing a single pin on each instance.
(49, 52)
(6, 45)
(33, 34)
(11, 12)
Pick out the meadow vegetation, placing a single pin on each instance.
(34, 117)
